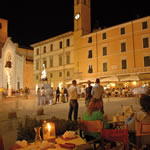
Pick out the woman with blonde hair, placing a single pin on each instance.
(94, 113)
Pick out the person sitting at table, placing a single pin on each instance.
(143, 115)
(93, 113)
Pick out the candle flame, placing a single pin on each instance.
(49, 126)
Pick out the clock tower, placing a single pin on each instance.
(82, 16)
(82, 26)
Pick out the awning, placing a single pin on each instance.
(80, 81)
(144, 76)
(130, 78)
(86, 80)
(139, 90)
(70, 81)
(110, 79)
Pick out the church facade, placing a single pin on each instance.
(118, 54)
(16, 62)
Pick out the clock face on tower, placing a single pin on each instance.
(77, 16)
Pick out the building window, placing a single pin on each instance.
(124, 64)
(122, 31)
(77, 1)
(146, 61)
(145, 42)
(104, 51)
(90, 40)
(51, 75)
(123, 47)
(90, 70)
(51, 61)
(37, 51)
(18, 85)
(60, 74)
(104, 36)
(51, 47)
(60, 44)
(67, 58)
(36, 77)
(90, 54)
(105, 67)
(0, 25)
(44, 49)
(60, 60)
(68, 74)
(144, 25)
(37, 65)
(68, 42)
(45, 62)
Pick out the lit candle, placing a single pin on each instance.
(49, 129)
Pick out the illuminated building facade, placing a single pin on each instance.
(119, 54)
(16, 62)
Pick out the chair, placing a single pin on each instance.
(116, 135)
(1, 143)
(91, 126)
(142, 129)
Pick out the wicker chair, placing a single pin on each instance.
(91, 126)
(142, 129)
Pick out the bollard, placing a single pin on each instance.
(40, 111)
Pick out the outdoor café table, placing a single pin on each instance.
(78, 141)
(118, 122)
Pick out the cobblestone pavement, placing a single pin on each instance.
(29, 107)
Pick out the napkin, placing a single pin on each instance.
(67, 145)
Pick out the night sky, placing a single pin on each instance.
(30, 22)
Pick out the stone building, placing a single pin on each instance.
(16, 62)
(119, 54)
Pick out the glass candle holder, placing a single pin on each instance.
(37, 134)
(48, 131)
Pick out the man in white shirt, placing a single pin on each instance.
(73, 105)
(98, 91)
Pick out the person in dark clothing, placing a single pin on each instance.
(57, 94)
(88, 93)
(26, 91)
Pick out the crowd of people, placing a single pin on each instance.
(96, 92)
(49, 96)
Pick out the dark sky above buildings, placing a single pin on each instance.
(32, 21)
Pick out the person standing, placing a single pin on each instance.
(26, 92)
(66, 94)
(57, 94)
(43, 96)
(38, 96)
(88, 93)
(73, 105)
(97, 92)
(51, 96)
